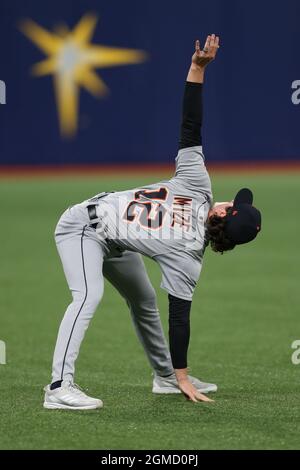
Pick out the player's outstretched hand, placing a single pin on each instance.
(191, 393)
(203, 57)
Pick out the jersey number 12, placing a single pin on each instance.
(151, 214)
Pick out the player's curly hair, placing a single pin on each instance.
(216, 235)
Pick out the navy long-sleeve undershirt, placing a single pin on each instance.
(179, 309)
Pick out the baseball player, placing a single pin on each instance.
(172, 222)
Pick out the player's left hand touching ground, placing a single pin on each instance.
(190, 392)
(203, 57)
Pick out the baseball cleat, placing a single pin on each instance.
(169, 385)
(69, 397)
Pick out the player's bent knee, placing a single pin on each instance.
(90, 298)
(93, 297)
(146, 302)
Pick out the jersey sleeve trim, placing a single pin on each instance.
(196, 148)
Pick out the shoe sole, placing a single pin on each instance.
(60, 406)
(172, 390)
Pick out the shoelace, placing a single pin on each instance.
(76, 389)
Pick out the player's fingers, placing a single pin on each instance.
(212, 40)
(202, 397)
(190, 397)
(197, 46)
(207, 44)
(215, 47)
(194, 399)
(212, 45)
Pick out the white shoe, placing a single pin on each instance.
(170, 385)
(69, 397)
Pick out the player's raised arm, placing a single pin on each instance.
(193, 173)
(192, 102)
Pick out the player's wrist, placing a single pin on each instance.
(181, 375)
(183, 381)
(196, 73)
(197, 68)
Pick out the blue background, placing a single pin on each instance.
(249, 114)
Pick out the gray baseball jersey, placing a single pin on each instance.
(164, 221)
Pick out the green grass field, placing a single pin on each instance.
(245, 317)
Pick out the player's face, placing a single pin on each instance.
(219, 208)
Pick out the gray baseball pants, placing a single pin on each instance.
(85, 263)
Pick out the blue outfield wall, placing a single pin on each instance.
(252, 91)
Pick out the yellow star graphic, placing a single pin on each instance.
(71, 60)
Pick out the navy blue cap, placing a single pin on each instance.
(244, 221)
